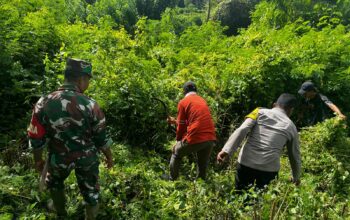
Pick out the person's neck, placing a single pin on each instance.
(313, 95)
(75, 84)
(281, 109)
(190, 93)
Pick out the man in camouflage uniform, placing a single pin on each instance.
(74, 128)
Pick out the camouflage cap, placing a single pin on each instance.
(76, 67)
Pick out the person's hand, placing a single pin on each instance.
(296, 182)
(39, 165)
(109, 163)
(171, 120)
(221, 157)
(341, 116)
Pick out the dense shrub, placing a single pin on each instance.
(234, 74)
(285, 44)
(134, 189)
(235, 14)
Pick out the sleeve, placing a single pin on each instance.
(181, 122)
(294, 156)
(99, 134)
(36, 131)
(254, 114)
(238, 136)
(326, 100)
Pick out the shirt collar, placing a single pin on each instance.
(190, 93)
(69, 86)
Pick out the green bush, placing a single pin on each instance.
(134, 188)
(280, 49)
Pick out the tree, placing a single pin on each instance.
(234, 14)
(153, 9)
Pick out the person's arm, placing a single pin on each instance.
(294, 158)
(332, 106)
(99, 135)
(37, 136)
(236, 139)
(171, 120)
(109, 158)
(181, 122)
(336, 110)
(38, 161)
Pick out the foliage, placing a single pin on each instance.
(318, 13)
(134, 189)
(138, 61)
(118, 13)
(235, 14)
(231, 72)
(27, 35)
(153, 9)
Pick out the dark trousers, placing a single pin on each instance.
(247, 177)
(181, 149)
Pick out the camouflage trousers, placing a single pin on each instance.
(86, 171)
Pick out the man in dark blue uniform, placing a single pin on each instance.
(315, 106)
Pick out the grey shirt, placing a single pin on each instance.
(270, 130)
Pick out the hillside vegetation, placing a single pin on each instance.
(142, 50)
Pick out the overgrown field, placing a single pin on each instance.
(235, 74)
(143, 52)
(134, 188)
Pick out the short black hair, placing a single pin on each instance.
(189, 87)
(287, 100)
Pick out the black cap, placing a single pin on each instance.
(76, 67)
(287, 100)
(189, 87)
(306, 87)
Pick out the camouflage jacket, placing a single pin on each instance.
(72, 124)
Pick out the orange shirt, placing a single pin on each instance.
(194, 121)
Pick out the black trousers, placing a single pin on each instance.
(247, 177)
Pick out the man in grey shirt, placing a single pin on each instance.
(267, 131)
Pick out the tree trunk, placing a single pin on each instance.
(209, 8)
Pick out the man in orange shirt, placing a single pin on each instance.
(195, 131)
